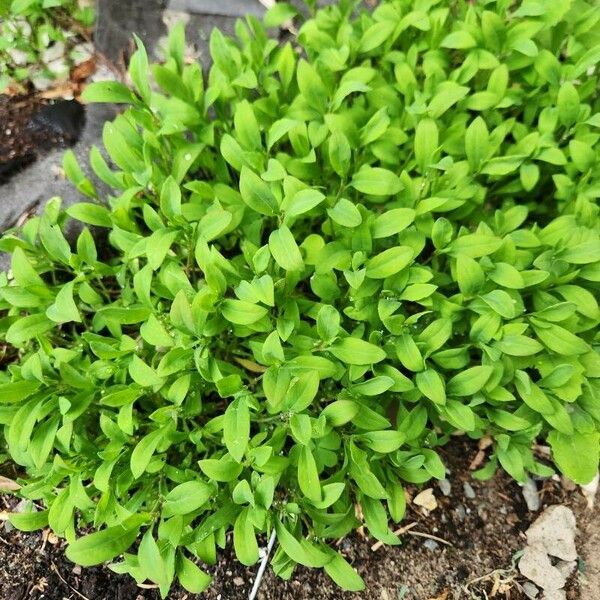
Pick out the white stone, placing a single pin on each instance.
(535, 565)
(554, 530)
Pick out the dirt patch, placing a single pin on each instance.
(482, 522)
(31, 126)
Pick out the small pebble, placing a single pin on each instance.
(445, 487)
(431, 544)
(530, 590)
(469, 491)
(238, 581)
(530, 494)
(462, 513)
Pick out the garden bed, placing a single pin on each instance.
(483, 521)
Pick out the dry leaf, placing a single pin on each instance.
(442, 596)
(250, 365)
(84, 70)
(426, 499)
(8, 485)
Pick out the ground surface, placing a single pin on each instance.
(484, 524)
(30, 127)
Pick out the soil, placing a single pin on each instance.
(31, 126)
(482, 528)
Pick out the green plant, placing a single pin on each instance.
(318, 269)
(28, 28)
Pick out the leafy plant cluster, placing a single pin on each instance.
(28, 28)
(324, 259)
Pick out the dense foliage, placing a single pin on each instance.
(33, 38)
(323, 259)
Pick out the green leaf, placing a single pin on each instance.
(354, 351)
(225, 469)
(241, 312)
(308, 476)
(303, 553)
(376, 181)
(469, 382)
(302, 201)
(560, 340)
(246, 126)
(345, 213)
(340, 153)
(170, 198)
(459, 40)
(244, 539)
(153, 564)
(143, 452)
(112, 92)
(475, 245)
(476, 143)
(64, 308)
(105, 545)
(192, 578)
(426, 143)
(576, 455)
(568, 104)
(278, 14)
(143, 374)
(344, 575)
(236, 428)
(518, 345)
(392, 222)
(256, 193)
(431, 385)
(284, 249)
(389, 262)
(28, 327)
(186, 498)
(311, 86)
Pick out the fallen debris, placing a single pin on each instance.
(426, 500)
(554, 530)
(551, 535)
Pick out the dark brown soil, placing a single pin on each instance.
(483, 536)
(30, 127)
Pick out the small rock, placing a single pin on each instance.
(554, 531)
(18, 57)
(59, 68)
(238, 581)
(461, 512)
(65, 118)
(568, 485)
(531, 496)
(82, 52)
(431, 544)
(445, 487)
(54, 52)
(536, 566)
(426, 499)
(530, 590)
(566, 567)
(555, 595)
(589, 491)
(468, 490)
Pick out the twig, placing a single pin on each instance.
(55, 569)
(262, 567)
(398, 531)
(431, 537)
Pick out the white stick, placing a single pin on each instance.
(262, 567)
